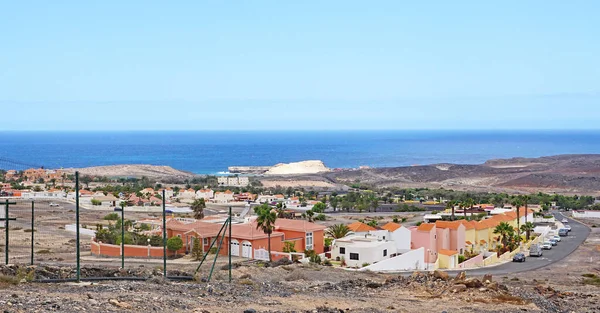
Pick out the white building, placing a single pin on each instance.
(361, 250)
(223, 197)
(187, 194)
(235, 181)
(205, 194)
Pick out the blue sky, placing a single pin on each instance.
(133, 65)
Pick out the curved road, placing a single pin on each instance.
(565, 247)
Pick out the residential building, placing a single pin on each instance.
(205, 194)
(448, 258)
(358, 251)
(224, 197)
(360, 228)
(400, 235)
(425, 236)
(187, 193)
(456, 235)
(235, 181)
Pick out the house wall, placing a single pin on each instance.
(370, 254)
(412, 260)
(470, 236)
(318, 239)
(103, 249)
(482, 234)
(448, 261)
(380, 234)
(472, 262)
(443, 238)
(401, 238)
(586, 214)
(276, 244)
(457, 239)
(426, 240)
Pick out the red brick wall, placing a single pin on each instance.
(103, 249)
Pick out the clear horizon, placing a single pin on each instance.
(340, 65)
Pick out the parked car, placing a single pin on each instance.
(519, 257)
(535, 250)
(547, 245)
(568, 228)
(52, 204)
(118, 209)
(553, 242)
(564, 220)
(557, 238)
(563, 232)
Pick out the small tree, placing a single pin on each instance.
(174, 244)
(319, 207)
(196, 249)
(198, 207)
(289, 247)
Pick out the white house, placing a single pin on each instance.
(236, 181)
(400, 235)
(205, 194)
(187, 194)
(360, 250)
(223, 197)
(168, 192)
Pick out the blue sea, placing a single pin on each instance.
(211, 152)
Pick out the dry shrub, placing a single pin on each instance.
(247, 282)
(295, 275)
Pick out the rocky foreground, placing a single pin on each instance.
(286, 288)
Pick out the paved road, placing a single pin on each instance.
(576, 237)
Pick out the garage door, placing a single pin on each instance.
(235, 248)
(246, 249)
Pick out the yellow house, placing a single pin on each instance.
(481, 236)
(470, 236)
(448, 258)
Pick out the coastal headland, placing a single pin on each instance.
(561, 174)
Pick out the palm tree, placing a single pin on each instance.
(505, 231)
(266, 222)
(450, 205)
(517, 203)
(338, 231)
(469, 203)
(280, 207)
(198, 207)
(527, 228)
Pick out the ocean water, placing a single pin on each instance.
(210, 152)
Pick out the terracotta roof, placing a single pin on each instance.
(468, 242)
(250, 232)
(454, 225)
(481, 225)
(391, 226)
(358, 227)
(482, 241)
(447, 252)
(297, 225)
(426, 227)
(468, 224)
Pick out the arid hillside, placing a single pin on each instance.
(563, 173)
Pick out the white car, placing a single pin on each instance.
(547, 245)
(564, 220)
(52, 204)
(556, 237)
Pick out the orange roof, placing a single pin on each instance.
(297, 225)
(468, 224)
(278, 196)
(482, 241)
(468, 242)
(391, 226)
(358, 227)
(447, 252)
(228, 191)
(426, 227)
(450, 225)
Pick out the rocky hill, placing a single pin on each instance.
(132, 170)
(562, 173)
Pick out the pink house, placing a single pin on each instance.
(456, 235)
(443, 237)
(425, 236)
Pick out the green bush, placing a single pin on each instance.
(111, 217)
(96, 202)
(461, 258)
(174, 244)
(365, 264)
(320, 217)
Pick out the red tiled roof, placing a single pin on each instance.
(360, 227)
(446, 224)
(468, 242)
(447, 252)
(391, 226)
(297, 225)
(426, 227)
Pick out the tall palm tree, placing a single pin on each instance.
(266, 222)
(505, 231)
(450, 206)
(338, 231)
(517, 203)
(527, 228)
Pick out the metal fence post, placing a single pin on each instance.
(32, 227)
(77, 224)
(6, 229)
(164, 233)
(229, 244)
(122, 236)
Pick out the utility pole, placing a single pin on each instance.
(6, 219)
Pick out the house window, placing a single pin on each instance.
(205, 241)
(383, 237)
(354, 256)
(385, 252)
(342, 250)
(309, 241)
